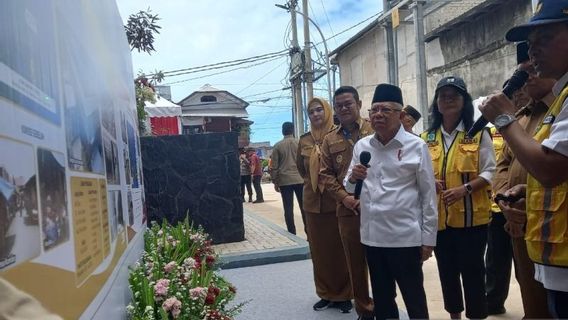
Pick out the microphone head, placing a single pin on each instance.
(516, 82)
(365, 157)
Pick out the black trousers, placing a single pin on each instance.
(246, 182)
(257, 187)
(557, 303)
(287, 193)
(498, 261)
(402, 266)
(459, 252)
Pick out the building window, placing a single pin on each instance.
(208, 99)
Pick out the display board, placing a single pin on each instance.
(71, 197)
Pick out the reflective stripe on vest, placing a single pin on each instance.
(547, 209)
(456, 167)
(498, 146)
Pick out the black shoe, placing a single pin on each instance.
(343, 306)
(496, 310)
(258, 201)
(322, 305)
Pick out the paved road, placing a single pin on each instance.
(286, 290)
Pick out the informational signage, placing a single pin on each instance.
(71, 187)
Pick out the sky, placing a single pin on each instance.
(201, 32)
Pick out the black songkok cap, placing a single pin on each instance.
(412, 112)
(387, 93)
(522, 52)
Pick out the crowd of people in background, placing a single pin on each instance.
(476, 200)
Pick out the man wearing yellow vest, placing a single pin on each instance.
(499, 255)
(546, 156)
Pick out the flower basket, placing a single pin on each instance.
(176, 277)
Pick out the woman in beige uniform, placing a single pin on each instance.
(331, 276)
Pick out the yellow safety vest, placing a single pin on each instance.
(498, 146)
(547, 209)
(457, 167)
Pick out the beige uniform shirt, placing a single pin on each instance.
(313, 202)
(337, 150)
(284, 170)
(509, 171)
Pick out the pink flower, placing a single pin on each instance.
(170, 266)
(189, 262)
(197, 293)
(161, 287)
(172, 305)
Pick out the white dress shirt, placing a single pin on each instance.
(486, 151)
(398, 199)
(555, 278)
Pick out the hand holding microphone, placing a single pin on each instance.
(359, 172)
(497, 104)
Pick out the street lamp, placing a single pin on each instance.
(288, 8)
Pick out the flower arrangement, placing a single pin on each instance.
(176, 277)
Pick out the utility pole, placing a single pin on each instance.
(391, 54)
(308, 73)
(295, 74)
(421, 83)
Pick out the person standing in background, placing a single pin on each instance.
(331, 275)
(285, 175)
(337, 150)
(410, 116)
(246, 178)
(256, 169)
(464, 167)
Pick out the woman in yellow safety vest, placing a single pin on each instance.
(463, 167)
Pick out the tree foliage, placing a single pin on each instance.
(140, 29)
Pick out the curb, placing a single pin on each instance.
(300, 251)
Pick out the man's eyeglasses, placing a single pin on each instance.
(384, 110)
(347, 105)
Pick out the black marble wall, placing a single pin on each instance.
(197, 175)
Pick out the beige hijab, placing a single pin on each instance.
(318, 133)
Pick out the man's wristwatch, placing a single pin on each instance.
(468, 188)
(503, 120)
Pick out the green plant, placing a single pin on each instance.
(176, 277)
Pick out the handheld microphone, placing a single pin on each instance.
(364, 158)
(516, 82)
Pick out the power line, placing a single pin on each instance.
(226, 65)
(225, 71)
(352, 27)
(327, 18)
(249, 59)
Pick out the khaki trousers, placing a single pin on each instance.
(356, 261)
(331, 275)
(533, 294)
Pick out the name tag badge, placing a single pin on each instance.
(432, 143)
(468, 141)
(549, 119)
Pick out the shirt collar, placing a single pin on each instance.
(398, 138)
(460, 127)
(560, 84)
(358, 122)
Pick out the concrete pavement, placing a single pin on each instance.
(286, 290)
